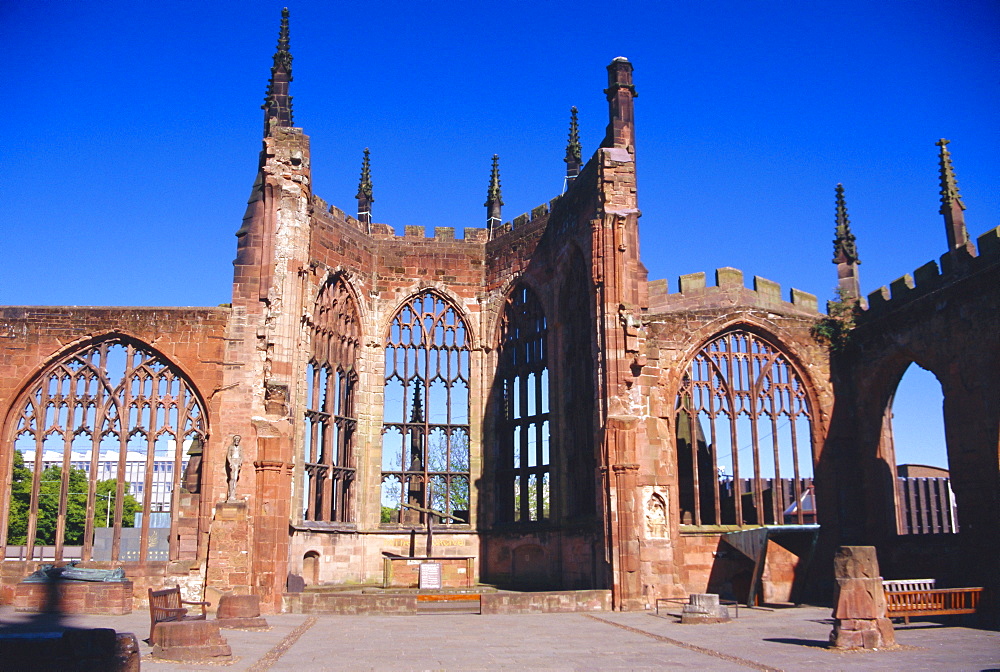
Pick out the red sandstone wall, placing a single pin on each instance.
(190, 338)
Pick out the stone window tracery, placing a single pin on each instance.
(425, 430)
(753, 465)
(524, 464)
(101, 442)
(330, 418)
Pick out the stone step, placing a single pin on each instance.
(449, 604)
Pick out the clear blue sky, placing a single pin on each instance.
(132, 129)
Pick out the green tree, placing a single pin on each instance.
(453, 456)
(104, 509)
(20, 501)
(49, 488)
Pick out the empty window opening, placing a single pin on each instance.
(523, 470)
(744, 436)
(101, 442)
(330, 419)
(425, 430)
(914, 441)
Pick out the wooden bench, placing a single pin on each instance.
(918, 597)
(166, 606)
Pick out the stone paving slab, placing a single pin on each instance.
(786, 639)
(796, 638)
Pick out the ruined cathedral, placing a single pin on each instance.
(516, 409)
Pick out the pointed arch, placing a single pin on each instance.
(109, 418)
(330, 421)
(425, 428)
(754, 465)
(575, 385)
(922, 496)
(524, 465)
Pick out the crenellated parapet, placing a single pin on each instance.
(932, 276)
(538, 214)
(729, 291)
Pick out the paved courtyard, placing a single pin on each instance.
(786, 639)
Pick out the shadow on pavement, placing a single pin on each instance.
(817, 644)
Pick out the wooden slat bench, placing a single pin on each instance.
(166, 605)
(918, 597)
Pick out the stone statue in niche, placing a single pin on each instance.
(234, 460)
(656, 516)
(634, 335)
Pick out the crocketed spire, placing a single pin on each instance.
(277, 103)
(494, 199)
(844, 249)
(573, 149)
(951, 203)
(845, 254)
(364, 196)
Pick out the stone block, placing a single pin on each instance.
(238, 606)
(729, 277)
(768, 290)
(692, 282)
(846, 639)
(189, 641)
(927, 275)
(886, 631)
(989, 243)
(901, 286)
(704, 608)
(856, 562)
(859, 598)
(804, 300)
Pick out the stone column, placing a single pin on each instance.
(859, 610)
(228, 552)
(270, 564)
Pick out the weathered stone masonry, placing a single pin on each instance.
(581, 469)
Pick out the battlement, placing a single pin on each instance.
(333, 214)
(444, 233)
(537, 213)
(932, 276)
(729, 290)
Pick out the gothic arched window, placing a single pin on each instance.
(576, 390)
(524, 465)
(425, 430)
(753, 465)
(103, 442)
(330, 419)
